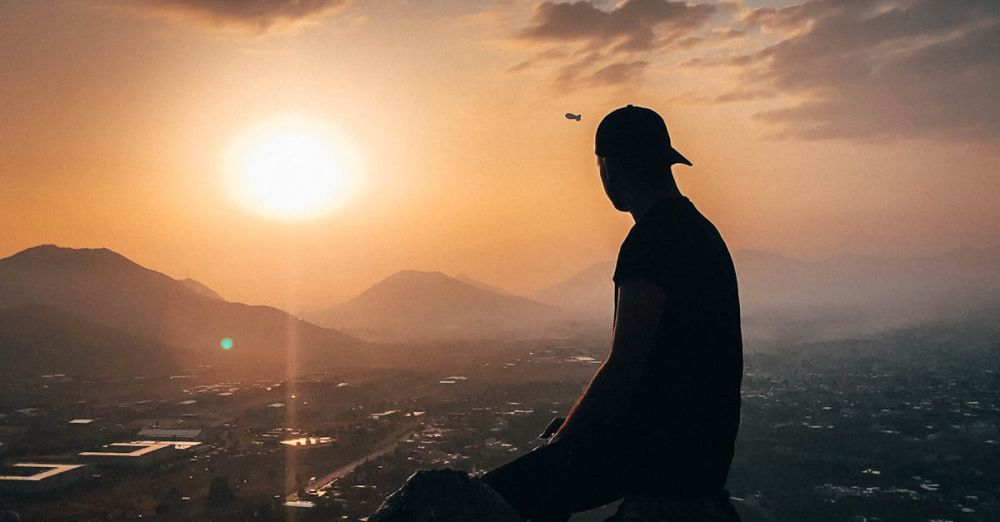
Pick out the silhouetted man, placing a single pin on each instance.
(659, 419)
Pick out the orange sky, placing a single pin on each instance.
(113, 119)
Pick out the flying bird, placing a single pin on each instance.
(571, 116)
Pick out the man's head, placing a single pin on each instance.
(634, 155)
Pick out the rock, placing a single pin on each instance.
(643, 509)
(445, 495)
(448, 495)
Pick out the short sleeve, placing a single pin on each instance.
(644, 255)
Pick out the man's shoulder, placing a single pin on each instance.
(674, 236)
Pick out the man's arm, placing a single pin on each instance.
(640, 308)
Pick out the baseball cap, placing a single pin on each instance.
(637, 132)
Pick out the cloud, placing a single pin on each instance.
(550, 54)
(631, 25)
(879, 69)
(614, 41)
(619, 73)
(255, 16)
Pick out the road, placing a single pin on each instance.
(385, 446)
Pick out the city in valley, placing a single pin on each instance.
(895, 426)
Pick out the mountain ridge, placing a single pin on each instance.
(107, 288)
(412, 304)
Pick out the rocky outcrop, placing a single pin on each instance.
(444, 495)
(448, 495)
(642, 509)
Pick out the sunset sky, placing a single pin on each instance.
(815, 129)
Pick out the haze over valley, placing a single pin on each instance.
(96, 304)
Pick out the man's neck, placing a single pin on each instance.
(650, 199)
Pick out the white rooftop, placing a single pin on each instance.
(177, 444)
(44, 471)
(138, 449)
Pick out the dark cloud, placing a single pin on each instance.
(612, 42)
(877, 69)
(740, 60)
(631, 25)
(259, 16)
(744, 95)
(694, 98)
(619, 73)
(582, 62)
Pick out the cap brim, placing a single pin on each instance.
(677, 157)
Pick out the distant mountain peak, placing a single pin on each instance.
(105, 288)
(416, 303)
(412, 279)
(54, 254)
(481, 285)
(410, 274)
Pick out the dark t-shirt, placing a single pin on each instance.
(686, 410)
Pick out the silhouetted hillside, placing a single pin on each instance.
(413, 304)
(38, 339)
(588, 294)
(200, 288)
(105, 287)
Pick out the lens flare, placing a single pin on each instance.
(226, 343)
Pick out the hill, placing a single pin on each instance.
(791, 300)
(479, 284)
(200, 288)
(413, 305)
(106, 288)
(588, 294)
(38, 339)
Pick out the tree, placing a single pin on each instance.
(219, 491)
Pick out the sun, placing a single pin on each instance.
(291, 167)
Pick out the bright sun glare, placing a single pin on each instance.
(291, 167)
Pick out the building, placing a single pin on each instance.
(179, 445)
(170, 434)
(31, 477)
(309, 442)
(131, 454)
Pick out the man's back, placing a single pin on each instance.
(685, 411)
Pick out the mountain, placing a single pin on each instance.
(790, 299)
(956, 278)
(38, 339)
(587, 295)
(481, 285)
(199, 288)
(413, 304)
(106, 288)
